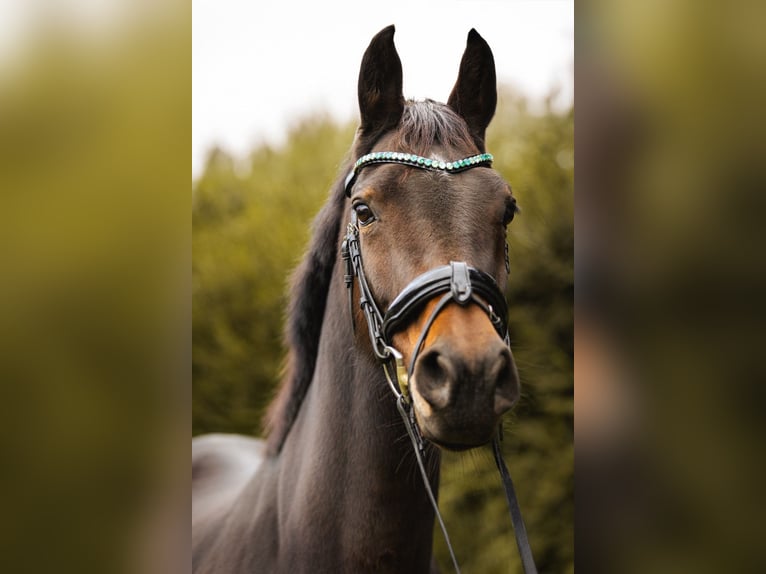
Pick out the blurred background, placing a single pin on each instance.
(274, 115)
(95, 109)
(670, 277)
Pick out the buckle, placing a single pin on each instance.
(460, 282)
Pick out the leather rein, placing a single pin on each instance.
(458, 283)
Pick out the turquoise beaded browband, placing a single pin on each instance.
(415, 161)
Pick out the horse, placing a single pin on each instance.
(396, 328)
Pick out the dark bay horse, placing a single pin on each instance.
(406, 269)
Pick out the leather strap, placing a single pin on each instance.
(483, 289)
(519, 530)
(405, 410)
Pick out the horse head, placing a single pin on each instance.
(429, 217)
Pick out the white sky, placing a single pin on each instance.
(260, 66)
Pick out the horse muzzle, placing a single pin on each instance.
(450, 324)
(463, 379)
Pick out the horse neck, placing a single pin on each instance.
(352, 449)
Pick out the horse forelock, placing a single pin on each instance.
(427, 123)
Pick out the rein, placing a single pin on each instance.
(457, 282)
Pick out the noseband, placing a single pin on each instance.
(457, 283)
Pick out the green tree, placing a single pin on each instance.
(250, 224)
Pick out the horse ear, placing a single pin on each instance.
(474, 96)
(380, 84)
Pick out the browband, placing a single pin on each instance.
(413, 160)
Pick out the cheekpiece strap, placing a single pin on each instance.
(413, 160)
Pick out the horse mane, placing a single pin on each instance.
(423, 124)
(309, 285)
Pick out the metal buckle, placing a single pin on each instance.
(460, 282)
(402, 378)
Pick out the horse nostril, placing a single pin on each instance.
(442, 379)
(506, 380)
(433, 374)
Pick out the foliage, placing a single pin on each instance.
(94, 236)
(249, 229)
(250, 224)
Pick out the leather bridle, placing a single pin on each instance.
(457, 283)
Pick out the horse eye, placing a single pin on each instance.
(510, 210)
(364, 214)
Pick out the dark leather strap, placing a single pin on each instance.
(426, 328)
(405, 410)
(519, 530)
(425, 287)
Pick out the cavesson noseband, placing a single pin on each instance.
(458, 283)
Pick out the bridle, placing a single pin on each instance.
(458, 283)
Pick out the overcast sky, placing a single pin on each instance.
(259, 66)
